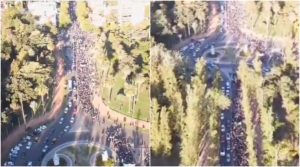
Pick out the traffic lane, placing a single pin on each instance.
(50, 133)
(36, 155)
(228, 128)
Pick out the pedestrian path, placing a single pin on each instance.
(105, 111)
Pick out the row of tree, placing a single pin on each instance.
(64, 15)
(271, 108)
(122, 51)
(27, 62)
(174, 21)
(184, 112)
(82, 13)
(272, 18)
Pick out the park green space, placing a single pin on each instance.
(120, 103)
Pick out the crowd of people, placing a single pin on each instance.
(234, 19)
(116, 139)
(239, 135)
(86, 82)
(85, 69)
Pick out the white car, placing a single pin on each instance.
(222, 116)
(28, 137)
(66, 128)
(227, 84)
(222, 128)
(44, 127)
(70, 104)
(72, 120)
(66, 111)
(45, 148)
(228, 147)
(29, 163)
(10, 163)
(222, 153)
(227, 136)
(61, 120)
(228, 157)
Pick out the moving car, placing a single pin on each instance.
(45, 148)
(222, 153)
(28, 145)
(228, 158)
(61, 120)
(66, 128)
(72, 120)
(228, 146)
(222, 128)
(222, 116)
(29, 163)
(227, 136)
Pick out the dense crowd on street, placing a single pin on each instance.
(123, 147)
(239, 134)
(235, 20)
(84, 69)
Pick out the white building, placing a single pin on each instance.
(131, 11)
(46, 10)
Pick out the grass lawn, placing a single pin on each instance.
(120, 103)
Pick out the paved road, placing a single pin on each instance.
(55, 130)
(192, 53)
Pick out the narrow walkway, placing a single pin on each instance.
(105, 111)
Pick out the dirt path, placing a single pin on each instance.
(14, 137)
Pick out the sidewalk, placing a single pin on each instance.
(105, 111)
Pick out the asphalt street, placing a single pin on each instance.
(54, 135)
(196, 49)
